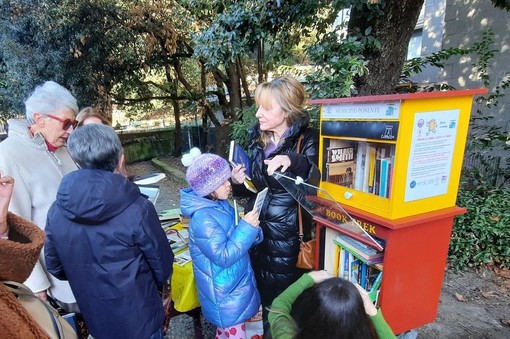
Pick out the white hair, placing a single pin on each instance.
(47, 99)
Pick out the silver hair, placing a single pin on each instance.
(47, 99)
(95, 146)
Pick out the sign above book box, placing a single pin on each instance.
(395, 155)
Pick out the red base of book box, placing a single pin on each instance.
(414, 263)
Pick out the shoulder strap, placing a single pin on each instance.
(300, 216)
(300, 139)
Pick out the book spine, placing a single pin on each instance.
(336, 266)
(345, 270)
(383, 192)
(361, 156)
(371, 172)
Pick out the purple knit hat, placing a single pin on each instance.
(207, 173)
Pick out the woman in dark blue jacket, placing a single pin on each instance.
(106, 239)
(274, 146)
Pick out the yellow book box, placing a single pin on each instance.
(395, 155)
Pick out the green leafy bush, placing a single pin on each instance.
(482, 235)
(240, 127)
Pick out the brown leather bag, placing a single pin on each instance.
(306, 255)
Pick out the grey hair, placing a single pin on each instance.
(95, 146)
(47, 99)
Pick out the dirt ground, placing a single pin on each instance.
(474, 304)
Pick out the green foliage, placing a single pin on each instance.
(338, 62)
(481, 236)
(240, 127)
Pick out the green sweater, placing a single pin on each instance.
(284, 327)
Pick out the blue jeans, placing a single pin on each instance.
(157, 335)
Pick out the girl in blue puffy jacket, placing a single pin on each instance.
(219, 248)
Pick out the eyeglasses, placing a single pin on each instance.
(66, 123)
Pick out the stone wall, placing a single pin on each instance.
(145, 145)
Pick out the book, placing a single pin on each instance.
(341, 165)
(237, 156)
(259, 201)
(366, 169)
(361, 160)
(150, 178)
(345, 264)
(385, 169)
(329, 256)
(377, 282)
(182, 258)
(354, 271)
(150, 191)
(359, 249)
(236, 213)
(178, 240)
(170, 214)
(371, 171)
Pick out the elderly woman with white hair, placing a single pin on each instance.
(34, 155)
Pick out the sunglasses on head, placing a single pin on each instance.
(66, 123)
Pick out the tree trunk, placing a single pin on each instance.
(177, 109)
(393, 30)
(246, 89)
(234, 89)
(260, 59)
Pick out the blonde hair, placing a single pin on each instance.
(90, 112)
(288, 93)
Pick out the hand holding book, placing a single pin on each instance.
(252, 218)
(370, 308)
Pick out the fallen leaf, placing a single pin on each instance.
(488, 294)
(459, 297)
(505, 322)
(503, 272)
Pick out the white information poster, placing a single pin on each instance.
(430, 159)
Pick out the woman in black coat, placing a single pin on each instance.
(274, 147)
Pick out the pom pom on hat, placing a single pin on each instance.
(207, 173)
(188, 158)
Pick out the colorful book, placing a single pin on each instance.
(384, 177)
(341, 165)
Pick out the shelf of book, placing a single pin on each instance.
(395, 155)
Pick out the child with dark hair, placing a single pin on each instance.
(218, 246)
(336, 308)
